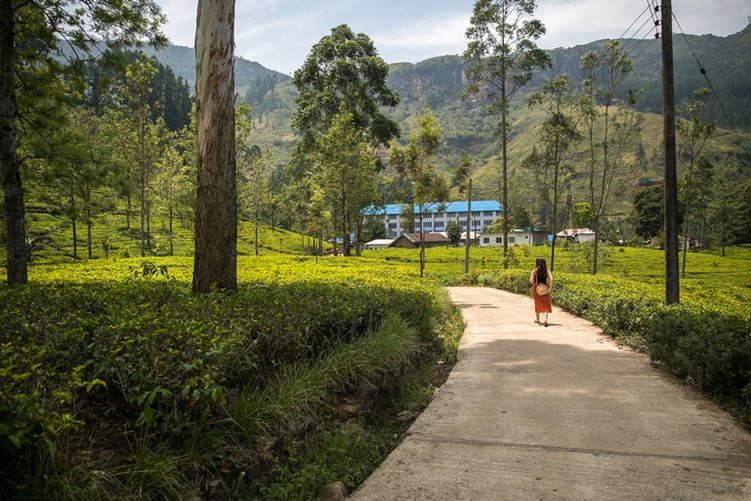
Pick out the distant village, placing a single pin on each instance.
(482, 215)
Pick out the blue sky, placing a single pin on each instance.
(280, 33)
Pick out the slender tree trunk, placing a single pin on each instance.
(86, 189)
(595, 245)
(504, 188)
(346, 226)
(15, 212)
(128, 211)
(257, 217)
(171, 230)
(555, 217)
(73, 219)
(335, 223)
(358, 237)
(686, 216)
(215, 263)
(89, 246)
(422, 246)
(143, 221)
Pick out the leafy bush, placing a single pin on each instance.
(711, 348)
(150, 355)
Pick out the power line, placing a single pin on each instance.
(634, 22)
(703, 72)
(648, 14)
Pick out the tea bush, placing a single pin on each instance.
(139, 349)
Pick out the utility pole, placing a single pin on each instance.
(672, 288)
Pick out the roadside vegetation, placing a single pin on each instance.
(119, 383)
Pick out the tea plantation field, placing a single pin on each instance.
(116, 382)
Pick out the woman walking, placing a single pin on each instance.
(541, 276)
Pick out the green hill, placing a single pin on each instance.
(468, 130)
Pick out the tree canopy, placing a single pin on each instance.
(344, 68)
(501, 56)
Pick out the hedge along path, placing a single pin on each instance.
(560, 413)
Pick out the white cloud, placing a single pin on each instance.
(280, 33)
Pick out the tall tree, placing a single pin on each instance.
(318, 217)
(726, 205)
(344, 68)
(648, 212)
(171, 181)
(463, 177)
(31, 35)
(611, 131)
(76, 179)
(692, 134)
(252, 164)
(215, 262)
(141, 134)
(558, 135)
(501, 57)
(346, 172)
(342, 71)
(430, 190)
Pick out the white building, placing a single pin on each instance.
(482, 214)
(525, 236)
(577, 235)
(379, 243)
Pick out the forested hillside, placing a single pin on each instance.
(468, 130)
(720, 63)
(182, 61)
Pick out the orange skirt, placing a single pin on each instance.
(542, 303)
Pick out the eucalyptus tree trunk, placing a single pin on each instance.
(215, 262)
(15, 212)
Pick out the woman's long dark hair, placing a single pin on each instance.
(542, 270)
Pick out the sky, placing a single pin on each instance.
(279, 34)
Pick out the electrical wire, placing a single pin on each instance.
(638, 42)
(703, 72)
(634, 22)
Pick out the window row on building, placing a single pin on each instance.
(482, 213)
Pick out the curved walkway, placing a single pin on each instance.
(558, 413)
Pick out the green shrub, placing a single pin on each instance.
(711, 348)
(150, 356)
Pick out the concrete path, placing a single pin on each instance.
(560, 412)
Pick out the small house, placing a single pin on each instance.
(378, 243)
(412, 240)
(520, 236)
(577, 235)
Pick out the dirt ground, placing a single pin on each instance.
(560, 412)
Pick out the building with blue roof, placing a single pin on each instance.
(483, 214)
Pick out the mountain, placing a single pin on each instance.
(721, 63)
(182, 60)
